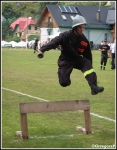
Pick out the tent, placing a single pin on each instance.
(13, 43)
(3, 43)
(21, 44)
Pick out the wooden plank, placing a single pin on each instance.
(24, 126)
(19, 133)
(87, 121)
(38, 107)
(81, 129)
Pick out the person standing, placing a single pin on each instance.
(75, 54)
(36, 44)
(104, 49)
(113, 49)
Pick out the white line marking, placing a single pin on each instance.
(48, 100)
(25, 94)
(103, 117)
(53, 136)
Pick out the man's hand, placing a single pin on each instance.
(40, 54)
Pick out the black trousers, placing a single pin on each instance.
(66, 67)
(113, 61)
(104, 58)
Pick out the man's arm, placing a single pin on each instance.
(53, 44)
(101, 49)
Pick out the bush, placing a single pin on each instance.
(13, 38)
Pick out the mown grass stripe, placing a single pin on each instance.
(96, 115)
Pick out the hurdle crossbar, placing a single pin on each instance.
(55, 106)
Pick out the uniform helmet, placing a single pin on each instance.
(78, 20)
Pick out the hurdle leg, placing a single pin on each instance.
(24, 125)
(56, 106)
(87, 121)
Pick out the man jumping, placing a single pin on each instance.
(75, 54)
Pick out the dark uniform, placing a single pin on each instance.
(35, 45)
(75, 53)
(104, 55)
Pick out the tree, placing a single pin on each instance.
(5, 29)
(32, 37)
(13, 38)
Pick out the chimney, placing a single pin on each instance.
(98, 16)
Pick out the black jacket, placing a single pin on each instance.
(72, 46)
(106, 48)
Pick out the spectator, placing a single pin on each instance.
(104, 48)
(113, 49)
(36, 44)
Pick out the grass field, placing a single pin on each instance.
(26, 78)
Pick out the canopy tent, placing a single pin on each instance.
(13, 44)
(3, 43)
(21, 44)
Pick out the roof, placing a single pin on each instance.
(57, 15)
(111, 17)
(88, 12)
(23, 23)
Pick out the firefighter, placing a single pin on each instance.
(104, 49)
(75, 54)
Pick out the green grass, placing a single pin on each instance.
(23, 72)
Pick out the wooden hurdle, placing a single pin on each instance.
(56, 106)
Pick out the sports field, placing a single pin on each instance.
(26, 78)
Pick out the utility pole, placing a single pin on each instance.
(99, 5)
(27, 34)
(27, 31)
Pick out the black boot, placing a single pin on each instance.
(95, 89)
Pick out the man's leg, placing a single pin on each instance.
(64, 76)
(90, 76)
(101, 62)
(113, 61)
(105, 62)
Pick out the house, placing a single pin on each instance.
(55, 19)
(98, 27)
(23, 27)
